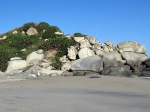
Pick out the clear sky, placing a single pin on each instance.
(106, 20)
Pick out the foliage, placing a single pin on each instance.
(20, 41)
(26, 26)
(42, 26)
(50, 32)
(60, 43)
(78, 35)
(5, 55)
(11, 46)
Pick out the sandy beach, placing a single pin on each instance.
(75, 94)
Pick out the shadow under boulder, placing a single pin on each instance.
(116, 71)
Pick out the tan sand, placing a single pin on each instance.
(75, 94)
(105, 83)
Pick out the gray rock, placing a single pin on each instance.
(54, 74)
(91, 40)
(23, 75)
(16, 66)
(116, 71)
(34, 69)
(34, 58)
(91, 63)
(147, 62)
(3, 75)
(133, 59)
(85, 52)
(118, 56)
(67, 73)
(109, 60)
(131, 46)
(85, 43)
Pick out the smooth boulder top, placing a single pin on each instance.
(91, 63)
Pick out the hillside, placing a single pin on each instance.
(51, 49)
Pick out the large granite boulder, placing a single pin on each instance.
(72, 52)
(92, 40)
(100, 52)
(147, 62)
(85, 52)
(31, 31)
(131, 47)
(84, 43)
(91, 63)
(108, 43)
(118, 56)
(133, 59)
(109, 60)
(34, 69)
(16, 65)
(35, 57)
(79, 39)
(116, 71)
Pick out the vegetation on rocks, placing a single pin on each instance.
(79, 35)
(59, 43)
(14, 43)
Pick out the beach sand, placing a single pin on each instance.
(75, 94)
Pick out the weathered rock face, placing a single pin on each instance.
(31, 31)
(92, 63)
(147, 61)
(34, 58)
(108, 43)
(131, 46)
(116, 71)
(133, 58)
(16, 66)
(84, 43)
(66, 66)
(23, 75)
(79, 39)
(85, 52)
(118, 56)
(3, 75)
(34, 69)
(100, 52)
(92, 40)
(64, 59)
(109, 60)
(72, 52)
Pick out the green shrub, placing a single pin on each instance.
(5, 55)
(42, 26)
(26, 26)
(60, 43)
(20, 41)
(50, 32)
(78, 35)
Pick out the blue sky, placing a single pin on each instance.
(106, 20)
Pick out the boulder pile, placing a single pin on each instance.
(88, 56)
